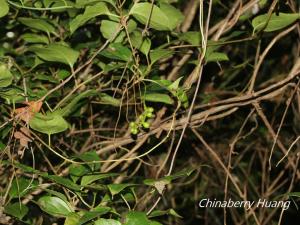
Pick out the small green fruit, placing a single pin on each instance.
(146, 125)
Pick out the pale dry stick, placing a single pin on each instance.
(263, 94)
(189, 13)
(275, 183)
(291, 186)
(289, 101)
(245, 8)
(199, 123)
(279, 89)
(296, 68)
(231, 151)
(217, 158)
(255, 95)
(174, 72)
(199, 73)
(288, 151)
(231, 13)
(264, 54)
(107, 167)
(167, 156)
(270, 129)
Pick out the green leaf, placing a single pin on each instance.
(78, 170)
(38, 24)
(108, 30)
(293, 194)
(91, 178)
(142, 44)
(21, 186)
(276, 22)
(35, 38)
(117, 51)
(4, 8)
(55, 206)
(50, 123)
(136, 218)
(108, 100)
(154, 223)
(13, 95)
(158, 54)
(82, 3)
(56, 53)
(66, 110)
(107, 222)
(174, 16)
(16, 209)
(165, 212)
(58, 3)
(96, 212)
(72, 219)
(216, 57)
(89, 13)
(164, 18)
(175, 85)
(158, 20)
(64, 181)
(117, 188)
(191, 37)
(90, 157)
(5, 76)
(158, 97)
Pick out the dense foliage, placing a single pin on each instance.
(130, 112)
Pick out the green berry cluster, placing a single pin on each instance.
(142, 122)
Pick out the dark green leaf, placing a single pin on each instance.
(117, 188)
(158, 97)
(90, 157)
(108, 100)
(94, 213)
(294, 194)
(64, 181)
(165, 212)
(66, 110)
(16, 209)
(21, 186)
(92, 178)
